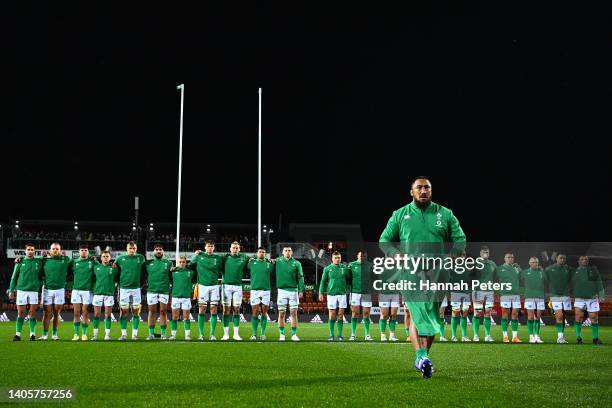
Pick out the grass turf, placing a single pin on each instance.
(311, 373)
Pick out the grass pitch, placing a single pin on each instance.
(311, 373)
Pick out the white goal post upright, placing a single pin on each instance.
(259, 178)
(181, 87)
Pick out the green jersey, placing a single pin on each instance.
(558, 277)
(182, 282)
(209, 268)
(360, 275)
(261, 272)
(586, 283)
(27, 275)
(535, 282)
(105, 279)
(461, 278)
(130, 270)
(158, 274)
(55, 270)
(335, 280)
(82, 271)
(511, 275)
(486, 273)
(289, 274)
(234, 268)
(421, 231)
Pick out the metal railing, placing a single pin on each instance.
(45, 243)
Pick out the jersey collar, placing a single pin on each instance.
(412, 207)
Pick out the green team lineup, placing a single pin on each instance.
(258, 206)
(213, 283)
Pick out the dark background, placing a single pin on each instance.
(507, 110)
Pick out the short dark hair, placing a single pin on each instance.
(258, 248)
(132, 243)
(484, 248)
(362, 252)
(336, 253)
(509, 253)
(158, 246)
(106, 252)
(30, 245)
(287, 246)
(419, 178)
(209, 242)
(83, 246)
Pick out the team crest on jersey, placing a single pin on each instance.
(407, 216)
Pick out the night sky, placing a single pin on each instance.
(504, 110)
